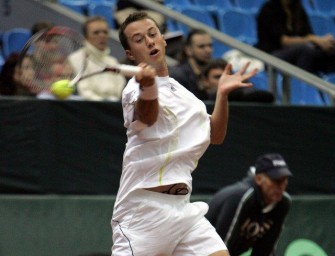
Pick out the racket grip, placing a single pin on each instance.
(128, 70)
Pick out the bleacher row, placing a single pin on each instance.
(236, 18)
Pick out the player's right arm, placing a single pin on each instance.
(146, 106)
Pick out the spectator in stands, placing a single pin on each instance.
(106, 86)
(285, 32)
(196, 54)
(39, 26)
(250, 213)
(14, 76)
(212, 74)
(8, 81)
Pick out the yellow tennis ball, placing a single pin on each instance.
(62, 89)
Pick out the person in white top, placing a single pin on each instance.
(105, 86)
(168, 130)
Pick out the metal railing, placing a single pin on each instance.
(274, 65)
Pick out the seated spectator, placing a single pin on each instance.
(196, 54)
(106, 86)
(39, 26)
(285, 32)
(212, 74)
(250, 214)
(14, 76)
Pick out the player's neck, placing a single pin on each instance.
(162, 70)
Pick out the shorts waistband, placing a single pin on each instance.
(150, 195)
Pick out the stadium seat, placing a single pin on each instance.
(102, 9)
(198, 14)
(238, 24)
(214, 5)
(13, 40)
(178, 3)
(79, 6)
(330, 78)
(325, 7)
(252, 6)
(260, 81)
(308, 6)
(304, 94)
(321, 24)
(219, 49)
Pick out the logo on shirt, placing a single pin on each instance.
(254, 230)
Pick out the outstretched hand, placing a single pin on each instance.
(229, 82)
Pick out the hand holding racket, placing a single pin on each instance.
(48, 52)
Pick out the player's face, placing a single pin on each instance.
(272, 189)
(201, 48)
(97, 34)
(146, 43)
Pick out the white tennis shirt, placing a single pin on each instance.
(168, 151)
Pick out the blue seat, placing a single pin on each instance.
(198, 14)
(219, 49)
(308, 6)
(238, 24)
(13, 40)
(252, 6)
(304, 94)
(321, 24)
(178, 3)
(79, 6)
(103, 9)
(260, 81)
(214, 5)
(325, 7)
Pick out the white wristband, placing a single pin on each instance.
(148, 93)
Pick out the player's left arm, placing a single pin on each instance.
(227, 83)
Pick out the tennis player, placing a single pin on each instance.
(168, 130)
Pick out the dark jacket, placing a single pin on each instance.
(237, 212)
(272, 24)
(185, 75)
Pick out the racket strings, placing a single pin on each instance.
(47, 57)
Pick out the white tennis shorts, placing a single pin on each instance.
(156, 224)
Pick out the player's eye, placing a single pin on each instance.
(153, 34)
(138, 39)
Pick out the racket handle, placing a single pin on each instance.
(128, 70)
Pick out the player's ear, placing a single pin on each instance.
(165, 44)
(130, 55)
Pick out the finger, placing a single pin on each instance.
(250, 74)
(227, 70)
(244, 68)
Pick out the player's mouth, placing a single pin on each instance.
(154, 52)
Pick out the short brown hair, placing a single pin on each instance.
(214, 64)
(136, 16)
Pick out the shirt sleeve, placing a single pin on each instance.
(129, 98)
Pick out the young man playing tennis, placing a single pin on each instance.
(168, 130)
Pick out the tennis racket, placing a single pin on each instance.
(44, 61)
